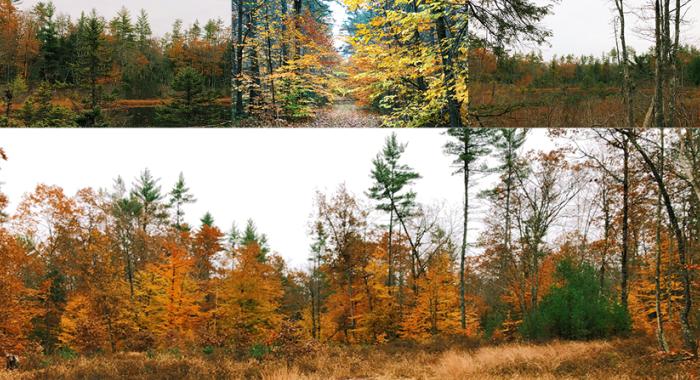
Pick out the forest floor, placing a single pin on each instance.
(633, 358)
(344, 114)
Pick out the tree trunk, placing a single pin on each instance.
(607, 228)
(453, 107)
(627, 81)
(255, 87)
(661, 338)
(390, 254)
(297, 26)
(624, 269)
(463, 254)
(8, 106)
(237, 51)
(284, 50)
(270, 66)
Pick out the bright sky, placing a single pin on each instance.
(269, 175)
(585, 26)
(579, 26)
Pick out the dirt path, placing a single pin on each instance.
(344, 114)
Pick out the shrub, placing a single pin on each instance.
(259, 351)
(578, 309)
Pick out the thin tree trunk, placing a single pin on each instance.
(284, 50)
(8, 106)
(627, 81)
(238, 58)
(607, 228)
(390, 253)
(663, 345)
(297, 27)
(270, 66)
(255, 87)
(624, 269)
(463, 255)
(627, 95)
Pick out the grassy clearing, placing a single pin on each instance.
(619, 359)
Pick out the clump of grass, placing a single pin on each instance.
(517, 360)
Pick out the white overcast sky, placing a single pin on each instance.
(269, 175)
(579, 26)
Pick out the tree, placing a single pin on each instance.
(576, 309)
(147, 193)
(189, 108)
(92, 63)
(206, 245)
(251, 294)
(390, 179)
(469, 147)
(179, 196)
(169, 297)
(681, 244)
(541, 197)
(18, 300)
(436, 310)
(252, 237)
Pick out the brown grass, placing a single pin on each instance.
(620, 359)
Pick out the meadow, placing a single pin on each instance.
(628, 358)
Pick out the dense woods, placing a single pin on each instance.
(592, 240)
(273, 63)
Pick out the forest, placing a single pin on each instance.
(429, 63)
(587, 267)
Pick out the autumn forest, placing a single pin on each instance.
(593, 240)
(394, 64)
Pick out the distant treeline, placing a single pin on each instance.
(532, 70)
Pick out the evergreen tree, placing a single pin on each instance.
(143, 30)
(39, 112)
(179, 196)
(148, 193)
(189, 107)
(469, 146)
(251, 236)
(49, 42)
(92, 64)
(389, 189)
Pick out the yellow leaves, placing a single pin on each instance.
(437, 305)
(250, 297)
(81, 327)
(169, 297)
(354, 5)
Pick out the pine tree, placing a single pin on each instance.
(179, 196)
(469, 147)
(190, 106)
(92, 64)
(389, 189)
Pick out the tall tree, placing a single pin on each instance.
(391, 179)
(93, 63)
(469, 146)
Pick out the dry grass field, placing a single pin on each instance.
(617, 359)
